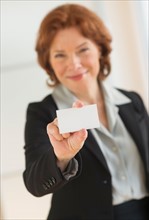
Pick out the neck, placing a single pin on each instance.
(91, 95)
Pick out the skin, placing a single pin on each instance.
(75, 61)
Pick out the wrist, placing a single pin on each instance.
(62, 164)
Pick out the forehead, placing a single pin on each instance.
(70, 37)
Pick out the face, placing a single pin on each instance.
(75, 60)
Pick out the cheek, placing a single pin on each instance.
(58, 69)
(92, 62)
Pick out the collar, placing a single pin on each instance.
(113, 95)
(64, 97)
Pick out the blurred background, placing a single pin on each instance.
(23, 81)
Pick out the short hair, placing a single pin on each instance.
(89, 25)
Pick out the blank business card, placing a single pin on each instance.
(74, 119)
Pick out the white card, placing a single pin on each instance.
(74, 119)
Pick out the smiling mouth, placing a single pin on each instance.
(77, 76)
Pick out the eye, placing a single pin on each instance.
(59, 55)
(84, 50)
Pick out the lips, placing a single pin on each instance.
(77, 76)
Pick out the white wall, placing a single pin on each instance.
(23, 81)
(129, 57)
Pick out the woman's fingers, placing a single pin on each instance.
(66, 135)
(65, 145)
(77, 139)
(52, 129)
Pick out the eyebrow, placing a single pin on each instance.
(61, 51)
(83, 44)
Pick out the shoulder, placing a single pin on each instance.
(46, 106)
(135, 98)
(48, 100)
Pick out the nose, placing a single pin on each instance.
(74, 62)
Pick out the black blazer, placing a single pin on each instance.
(88, 195)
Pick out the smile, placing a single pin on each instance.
(77, 76)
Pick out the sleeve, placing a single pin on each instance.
(71, 170)
(41, 176)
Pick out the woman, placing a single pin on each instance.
(93, 174)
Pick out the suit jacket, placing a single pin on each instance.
(88, 195)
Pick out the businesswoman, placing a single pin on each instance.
(100, 173)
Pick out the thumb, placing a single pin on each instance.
(78, 104)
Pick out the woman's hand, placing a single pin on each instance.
(67, 145)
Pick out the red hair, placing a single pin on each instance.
(89, 25)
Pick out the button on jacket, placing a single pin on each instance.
(87, 195)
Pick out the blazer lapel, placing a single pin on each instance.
(131, 122)
(92, 145)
